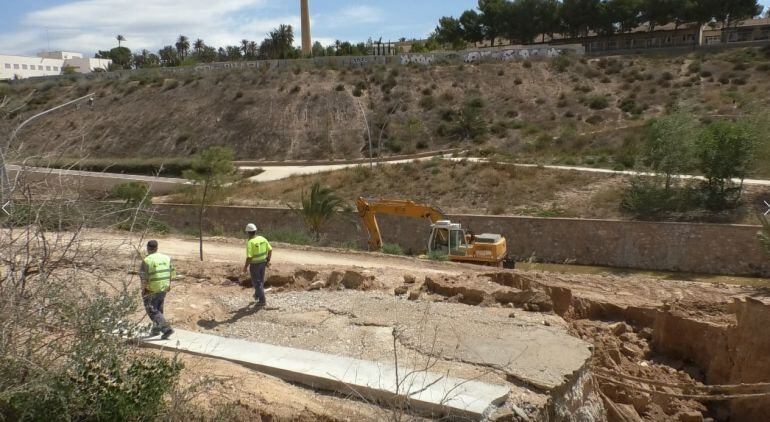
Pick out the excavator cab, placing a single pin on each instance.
(448, 238)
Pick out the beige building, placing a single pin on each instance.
(752, 30)
(673, 36)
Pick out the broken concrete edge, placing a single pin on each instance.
(459, 405)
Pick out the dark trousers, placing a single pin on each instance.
(257, 272)
(153, 304)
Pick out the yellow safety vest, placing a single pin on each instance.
(257, 249)
(159, 272)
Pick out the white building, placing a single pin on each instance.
(20, 67)
(48, 64)
(61, 55)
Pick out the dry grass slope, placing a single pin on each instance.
(588, 114)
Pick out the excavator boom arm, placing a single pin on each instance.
(368, 210)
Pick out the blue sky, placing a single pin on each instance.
(28, 26)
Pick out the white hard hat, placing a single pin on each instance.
(251, 228)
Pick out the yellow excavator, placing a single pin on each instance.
(446, 238)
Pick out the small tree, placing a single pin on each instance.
(669, 144)
(725, 151)
(209, 171)
(469, 123)
(134, 193)
(318, 208)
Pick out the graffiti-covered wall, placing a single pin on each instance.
(496, 54)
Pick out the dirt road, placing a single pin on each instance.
(221, 250)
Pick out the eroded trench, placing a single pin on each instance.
(685, 347)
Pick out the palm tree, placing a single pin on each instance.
(252, 50)
(183, 46)
(318, 208)
(120, 39)
(199, 45)
(281, 41)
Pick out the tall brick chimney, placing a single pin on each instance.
(307, 46)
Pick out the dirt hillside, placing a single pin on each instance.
(582, 111)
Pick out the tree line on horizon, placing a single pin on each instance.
(517, 21)
(278, 44)
(523, 21)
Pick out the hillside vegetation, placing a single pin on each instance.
(570, 110)
(474, 188)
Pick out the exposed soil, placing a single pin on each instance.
(683, 334)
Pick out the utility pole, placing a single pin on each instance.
(6, 199)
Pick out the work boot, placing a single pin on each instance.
(154, 331)
(167, 334)
(261, 304)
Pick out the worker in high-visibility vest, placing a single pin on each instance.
(156, 273)
(258, 255)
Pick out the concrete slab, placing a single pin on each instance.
(427, 392)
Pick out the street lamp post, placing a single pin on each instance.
(369, 134)
(6, 200)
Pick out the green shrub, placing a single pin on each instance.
(295, 89)
(500, 129)
(357, 92)
(594, 120)
(290, 236)
(392, 249)
(469, 123)
(134, 193)
(725, 151)
(740, 66)
(561, 63)
(629, 105)
(428, 102)
(439, 256)
(477, 103)
(339, 87)
(597, 102)
(648, 198)
(739, 80)
(173, 167)
(583, 88)
(694, 67)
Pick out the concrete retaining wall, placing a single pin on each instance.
(95, 181)
(699, 248)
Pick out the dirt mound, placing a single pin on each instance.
(488, 290)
